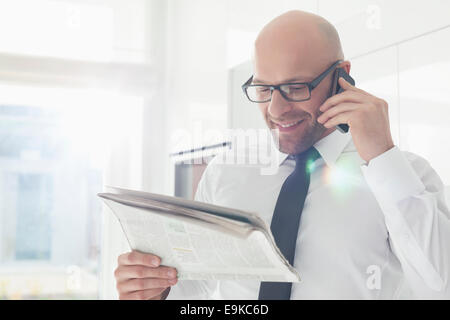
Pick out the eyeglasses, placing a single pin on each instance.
(296, 91)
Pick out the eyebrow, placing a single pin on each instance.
(291, 80)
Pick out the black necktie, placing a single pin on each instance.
(286, 220)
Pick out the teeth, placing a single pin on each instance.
(290, 124)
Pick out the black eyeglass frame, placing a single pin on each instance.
(311, 85)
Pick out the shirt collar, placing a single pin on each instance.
(329, 147)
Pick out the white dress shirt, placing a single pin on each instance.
(367, 231)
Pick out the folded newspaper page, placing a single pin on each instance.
(202, 241)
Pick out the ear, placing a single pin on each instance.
(346, 65)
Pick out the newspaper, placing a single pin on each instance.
(202, 241)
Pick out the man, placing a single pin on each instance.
(374, 224)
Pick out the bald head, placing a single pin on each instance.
(302, 33)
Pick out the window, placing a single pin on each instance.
(54, 148)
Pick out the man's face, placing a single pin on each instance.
(278, 66)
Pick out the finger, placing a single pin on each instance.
(333, 111)
(137, 271)
(345, 84)
(142, 295)
(348, 86)
(139, 258)
(341, 118)
(144, 284)
(346, 96)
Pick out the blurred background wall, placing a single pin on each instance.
(100, 92)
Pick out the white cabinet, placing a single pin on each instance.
(367, 25)
(424, 93)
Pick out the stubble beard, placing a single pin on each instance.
(291, 144)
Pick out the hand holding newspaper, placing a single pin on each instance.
(202, 241)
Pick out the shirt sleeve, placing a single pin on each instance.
(196, 289)
(412, 197)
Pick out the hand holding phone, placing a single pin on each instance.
(340, 72)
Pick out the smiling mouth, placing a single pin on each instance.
(288, 126)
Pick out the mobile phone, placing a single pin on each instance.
(340, 72)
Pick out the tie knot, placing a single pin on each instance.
(308, 156)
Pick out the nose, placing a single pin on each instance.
(278, 105)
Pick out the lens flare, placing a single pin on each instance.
(342, 178)
(310, 166)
